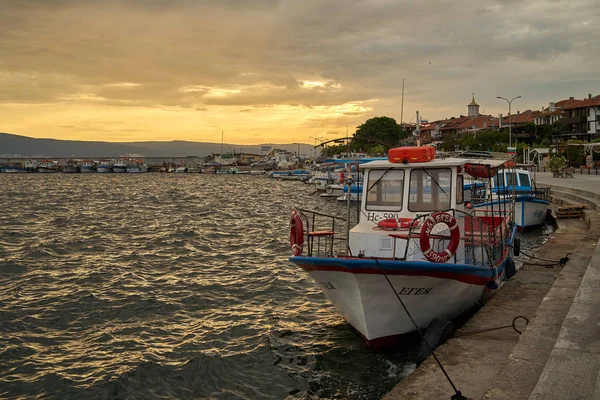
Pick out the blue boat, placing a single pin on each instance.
(531, 203)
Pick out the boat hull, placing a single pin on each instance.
(358, 288)
(86, 170)
(119, 169)
(104, 169)
(530, 212)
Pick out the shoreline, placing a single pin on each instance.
(502, 364)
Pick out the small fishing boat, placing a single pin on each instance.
(71, 166)
(531, 203)
(48, 166)
(105, 166)
(417, 253)
(87, 166)
(120, 165)
(291, 175)
(137, 166)
(14, 168)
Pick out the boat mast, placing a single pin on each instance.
(221, 143)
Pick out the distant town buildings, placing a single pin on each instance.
(580, 118)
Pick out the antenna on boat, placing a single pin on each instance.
(222, 142)
(402, 104)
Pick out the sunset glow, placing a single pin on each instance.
(276, 70)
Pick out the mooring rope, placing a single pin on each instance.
(457, 393)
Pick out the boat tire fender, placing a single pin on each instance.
(509, 268)
(430, 222)
(436, 333)
(296, 233)
(517, 247)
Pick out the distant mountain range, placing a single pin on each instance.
(22, 146)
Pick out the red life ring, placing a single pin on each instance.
(296, 233)
(398, 223)
(430, 222)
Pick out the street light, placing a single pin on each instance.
(315, 148)
(509, 124)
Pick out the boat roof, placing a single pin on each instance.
(438, 162)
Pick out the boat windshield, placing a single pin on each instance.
(524, 179)
(385, 190)
(430, 189)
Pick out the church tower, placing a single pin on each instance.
(473, 108)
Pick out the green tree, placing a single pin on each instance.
(382, 131)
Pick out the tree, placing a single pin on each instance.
(383, 131)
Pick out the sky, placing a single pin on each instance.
(281, 71)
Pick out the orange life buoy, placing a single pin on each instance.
(398, 223)
(430, 222)
(296, 233)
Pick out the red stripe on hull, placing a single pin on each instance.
(464, 278)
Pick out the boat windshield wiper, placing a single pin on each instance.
(379, 179)
(436, 182)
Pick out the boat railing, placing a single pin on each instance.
(325, 233)
(483, 237)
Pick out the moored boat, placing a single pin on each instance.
(71, 166)
(48, 166)
(87, 166)
(531, 204)
(120, 165)
(137, 166)
(417, 253)
(104, 166)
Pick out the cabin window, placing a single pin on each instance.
(524, 180)
(384, 190)
(460, 187)
(430, 189)
(511, 179)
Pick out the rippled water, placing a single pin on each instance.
(169, 286)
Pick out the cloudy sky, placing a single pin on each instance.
(281, 70)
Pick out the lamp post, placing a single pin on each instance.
(509, 124)
(315, 147)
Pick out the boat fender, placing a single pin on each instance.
(436, 333)
(509, 268)
(296, 233)
(517, 247)
(430, 222)
(342, 176)
(398, 223)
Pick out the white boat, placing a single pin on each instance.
(105, 166)
(295, 175)
(120, 165)
(71, 166)
(418, 253)
(225, 159)
(181, 169)
(48, 166)
(531, 204)
(137, 166)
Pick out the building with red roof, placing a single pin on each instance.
(583, 119)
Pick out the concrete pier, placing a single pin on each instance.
(558, 354)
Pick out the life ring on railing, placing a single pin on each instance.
(296, 233)
(398, 223)
(430, 222)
